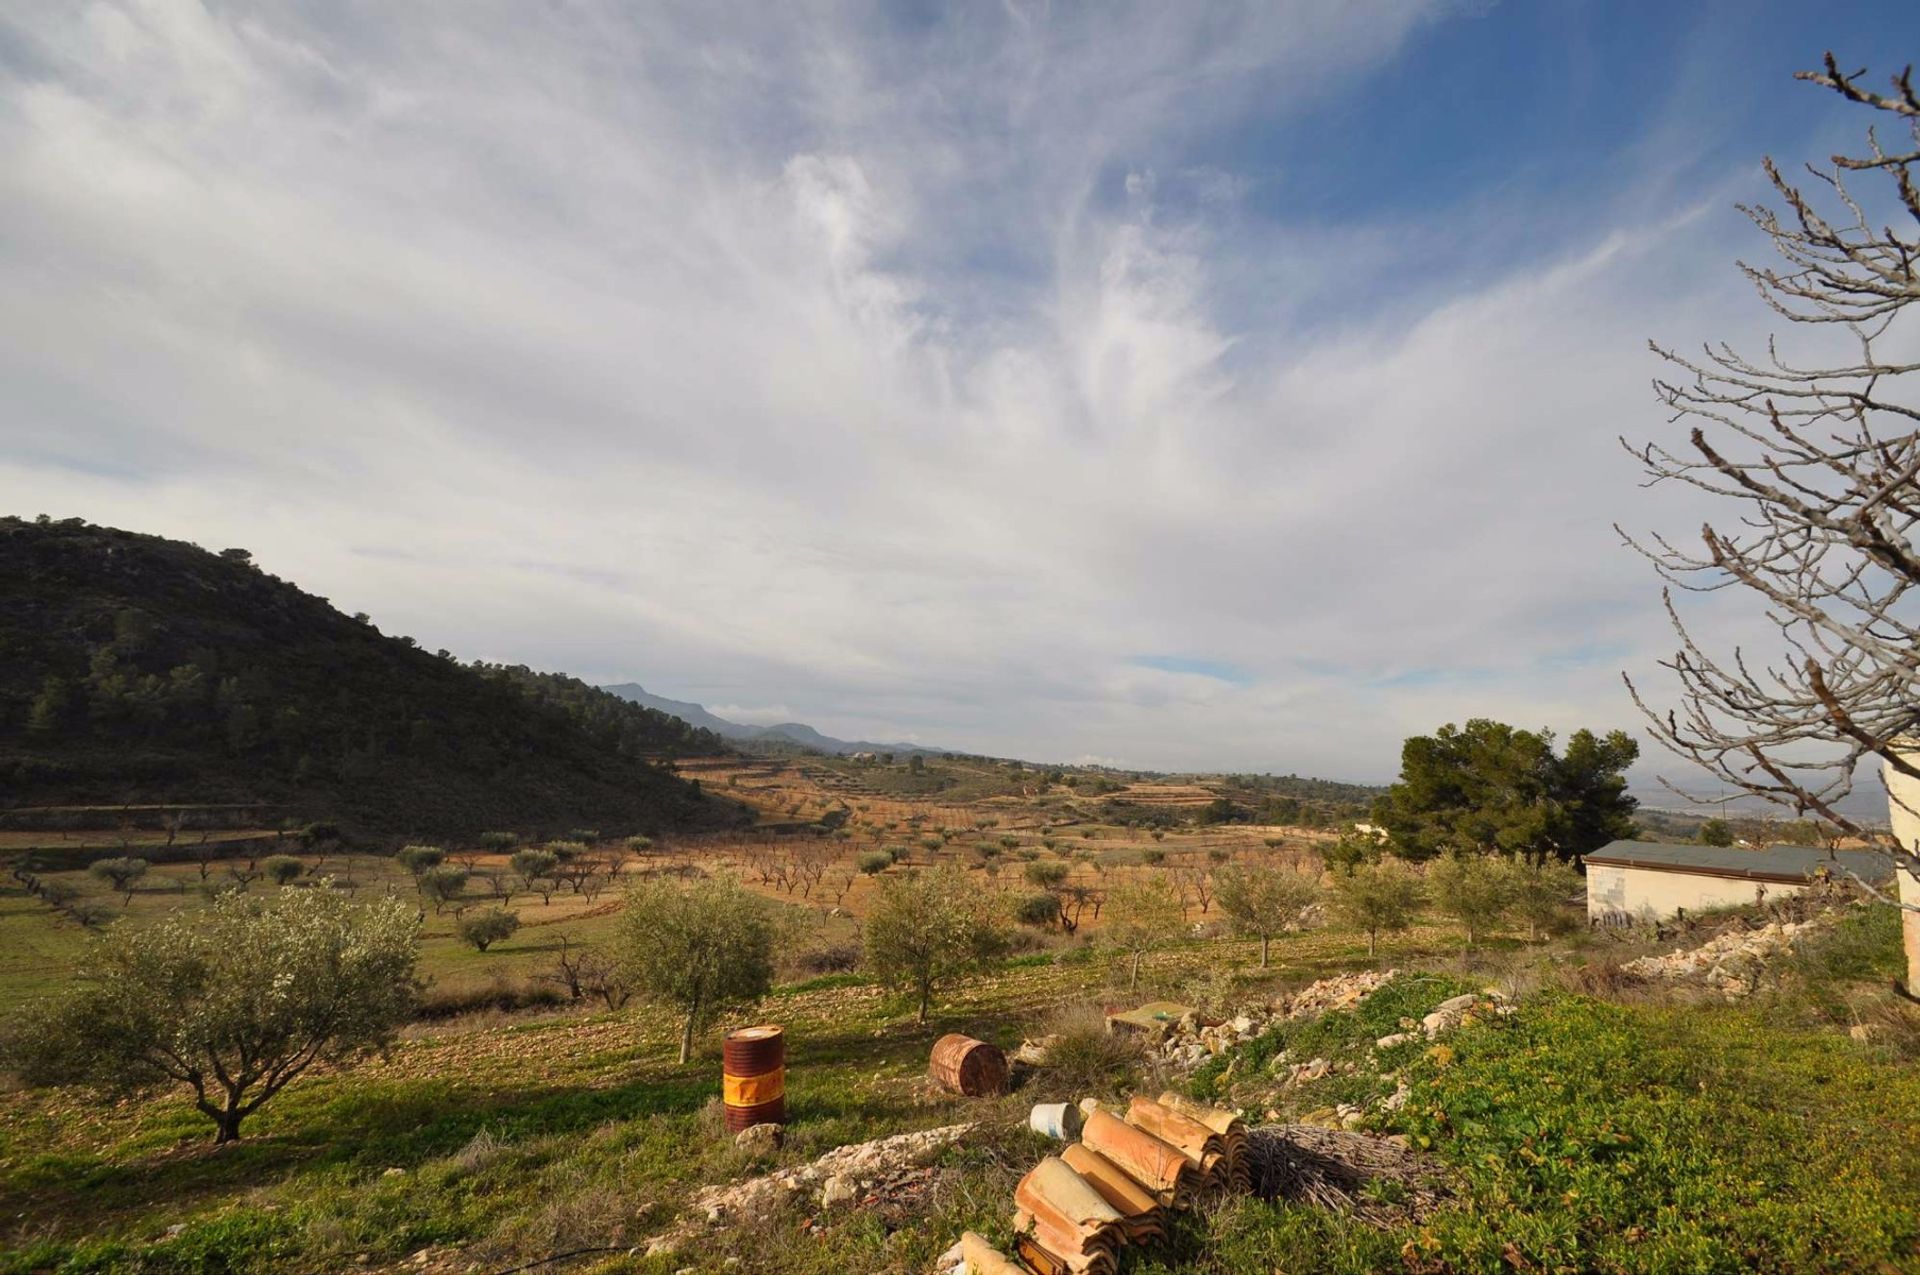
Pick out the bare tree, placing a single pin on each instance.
(569, 971)
(1820, 460)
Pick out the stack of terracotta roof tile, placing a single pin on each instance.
(1204, 1149)
(1075, 1212)
(1164, 1170)
(1231, 1129)
(1066, 1218)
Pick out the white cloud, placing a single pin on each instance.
(887, 377)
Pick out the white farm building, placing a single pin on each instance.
(1645, 881)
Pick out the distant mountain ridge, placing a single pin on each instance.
(798, 733)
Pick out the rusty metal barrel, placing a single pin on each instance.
(753, 1076)
(968, 1066)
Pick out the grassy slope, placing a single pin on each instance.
(1586, 1136)
(38, 948)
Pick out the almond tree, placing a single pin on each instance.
(1147, 914)
(1816, 456)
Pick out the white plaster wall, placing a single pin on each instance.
(1903, 802)
(1657, 896)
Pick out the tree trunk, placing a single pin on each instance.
(1373, 942)
(686, 1041)
(1135, 980)
(1264, 940)
(228, 1124)
(926, 996)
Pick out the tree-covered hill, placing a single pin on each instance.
(139, 669)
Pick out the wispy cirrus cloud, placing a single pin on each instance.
(911, 371)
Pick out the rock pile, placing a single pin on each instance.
(1192, 1040)
(841, 1176)
(1731, 964)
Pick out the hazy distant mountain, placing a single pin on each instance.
(797, 733)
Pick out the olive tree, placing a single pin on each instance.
(283, 869)
(1261, 900)
(1376, 898)
(536, 870)
(925, 930)
(1541, 893)
(443, 884)
(420, 859)
(232, 1002)
(122, 874)
(1473, 889)
(700, 948)
(481, 930)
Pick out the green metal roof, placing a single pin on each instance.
(1774, 863)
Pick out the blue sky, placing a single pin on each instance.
(1184, 386)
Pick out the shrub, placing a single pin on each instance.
(1084, 1058)
(832, 958)
(502, 993)
(874, 862)
(481, 930)
(499, 842)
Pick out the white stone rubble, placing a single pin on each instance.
(1731, 964)
(1190, 1042)
(838, 1176)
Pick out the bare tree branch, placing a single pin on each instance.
(1822, 464)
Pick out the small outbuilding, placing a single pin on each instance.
(1647, 881)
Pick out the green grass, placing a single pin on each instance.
(1604, 1137)
(1729, 1140)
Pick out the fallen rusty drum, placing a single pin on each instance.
(968, 1066)
(754, 1077)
